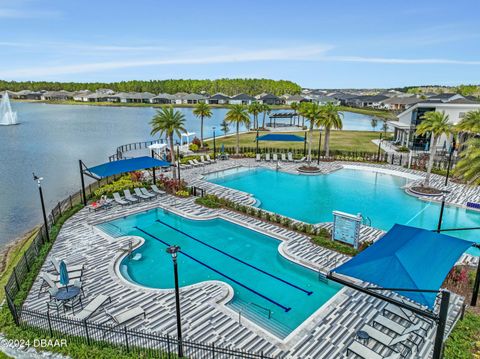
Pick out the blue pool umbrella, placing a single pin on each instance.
(64, 274)
(222, 150)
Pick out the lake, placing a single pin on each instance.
(52, 138)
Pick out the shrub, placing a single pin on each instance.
(171, 185)
(209, 201)
(182, 193)
(403, 149)
(193, 147)
(124, 182)
(325, 240)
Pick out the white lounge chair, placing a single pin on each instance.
(275, 157)
(398, 328)
(303, 159)
(117, 198)
(290, 157)
(129, 197)
(267, 157)
(367, 353)
(139, 194)
(92, 307)
(284, 158)
(70, 268)
(126, 315)
(385, 339)
(146, 193)
(156, 190)
(204, 161)
(405, 314)
(193, 163)
(258, 157)
(198, 163)
(210, 159)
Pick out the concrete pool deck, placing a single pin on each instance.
(326, 334)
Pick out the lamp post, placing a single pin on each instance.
(214, 145)
(45, 222)
(319, 144)
(257, 140)
(379, 145)
(173, 250)
(442, 207)
(178, 162)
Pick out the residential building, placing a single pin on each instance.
(192, 98)
(322, 99)
(289, 99)
(241, 99)
(163, 98)
(219, 99)
(29, 95)
(134, 97)
(269, 99)
(57, 95)
(400, 103)
(373, 101)
(408, 120)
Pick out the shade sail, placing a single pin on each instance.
(407, 258)
(281, 137)
(124, 166)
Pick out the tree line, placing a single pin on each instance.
(227, 86)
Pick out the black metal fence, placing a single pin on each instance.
(145, 344)
(118, 155)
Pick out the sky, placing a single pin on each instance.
(317, 44)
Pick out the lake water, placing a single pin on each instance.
(52, 138)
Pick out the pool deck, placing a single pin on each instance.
(205, 318)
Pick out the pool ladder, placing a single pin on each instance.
(367, 221)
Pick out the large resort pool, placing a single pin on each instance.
(270, 290)
(379, 197)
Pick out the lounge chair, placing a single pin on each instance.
(139, 194)
(258, 157)
(50, 282)
(70, 268)
(92, 307)
(198, 163)
(204, 161)
(290, 157)
(405, 314)
(129, 197)
(156, 190)
(367, 353)
(117, 198)
(210, 159)
(267, 157)
(385, 339)
(275, 157)
(71, 276)
(125, 316)
(398, 328)
(284, 158)
(193, 163)
(146, 193)
(303, 159)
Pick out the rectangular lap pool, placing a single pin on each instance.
(379, 197)
(270, 290)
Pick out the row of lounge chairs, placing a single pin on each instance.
(204, 160)
(283, 157)
(408, 328)
(140, 194)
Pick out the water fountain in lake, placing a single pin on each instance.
(7, 116)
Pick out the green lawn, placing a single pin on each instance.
(339, 140)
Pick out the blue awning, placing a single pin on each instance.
(281, 137)
(124, 166)
(407, 258)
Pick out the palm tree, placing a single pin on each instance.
(436, 124)
(224, 127)
(265, 109)
(470, 123)
(170, 122)
(238, 115)
(331, 118)
(469, 165)
(374, 123)
(255, 108)
(313, 113)
(294, 107)
(202, 110)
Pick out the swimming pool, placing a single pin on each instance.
(265, 284)
(378, 196)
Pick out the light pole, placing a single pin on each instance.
(319, 145)
(379, 145)
(257, 140)
(178, 161)
(214, 145)
(45, 222)
(442, 207)
(173, 250)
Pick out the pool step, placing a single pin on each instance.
(111, 229)
(259, 316)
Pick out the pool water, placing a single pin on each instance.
(378, 196)
(282, 294)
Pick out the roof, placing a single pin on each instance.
(281, 137)
(124, 166)
(219, 96)
(165, 96)
(402, 100)
(443, 96)
(296, 98)
(264, 96)
(243, 96)
(193, 96)
(370, 98)
(398, 260)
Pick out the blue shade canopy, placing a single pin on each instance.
(124, 166)
(281, 137)
(407, 258)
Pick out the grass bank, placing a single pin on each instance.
(388, 115)
(339, 140)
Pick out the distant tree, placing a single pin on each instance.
(436, 124)
(294, 106)
(238, 115)
(202, 110)
(266, 110)
(224, 127)
(168, 121)
(384, 128)
(255, 108)
(313, 113)
(331, 118)
(374, 123)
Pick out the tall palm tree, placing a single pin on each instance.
(224, 127)
(169, 122)
(238, 115)
(294, 107)
(265, 109)
(331, 118)
(313, 113)
(436, 124)
(202, 110)
(469, 165)
(470, 123)
(255, 108)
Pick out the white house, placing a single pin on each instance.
(241, 99)
(408, 120)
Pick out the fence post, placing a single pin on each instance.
(49, 323)
(12, 307)
(26, 261)
(168, 345)
(86, 332)
(15, 276)
(213, 350)
(126, 340)
(70, 199)
(59, 209)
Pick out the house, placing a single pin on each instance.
(219, 99)
(178, 98)
(241, 99)
(101, 97)
(61, 95)
(135, 97)
(400, 103)
(373, 101)
(289, 99)
(81, 95)
(408, 120)
(323, 100)
(163, 98)
(342, 97)
(269, 99)
(29, 95)
(193, 98)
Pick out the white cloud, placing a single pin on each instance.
(386, 60)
